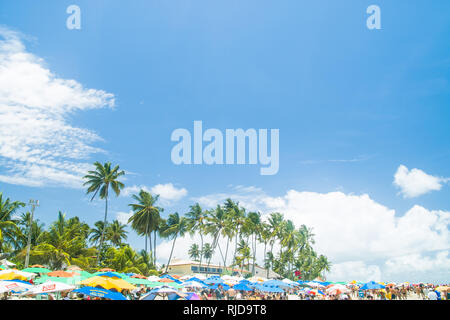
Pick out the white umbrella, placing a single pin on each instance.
(314, 284)
(22, 273)
(193, 284)
(6, 286)
(288, 281)
(50, 286)
(153, 278)
(200, 276)
(7, 263)
(337, 289)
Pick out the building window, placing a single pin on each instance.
(194, 268)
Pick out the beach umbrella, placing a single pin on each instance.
(36, 270)
(101, 293)
(153, 278)
(223, 285)
(277, 283)
(266, 288)
(242, 287)
(213, 280)
(37, 266)
(337, 289)
(74, 268)
(110, 275)
(106, 270)
(14, 285)
(168, 276)
(162, 291)
(62, 274)
(7, 263)
(139, 276)
(108, 283)
(372, 285)
(192, 296)
(66, 280)
(193, 284)
(139, 281)
(14, 274)
(49, 286)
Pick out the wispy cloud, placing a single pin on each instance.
(37, 144)
(357, 159)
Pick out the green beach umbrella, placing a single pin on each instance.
(36, 270)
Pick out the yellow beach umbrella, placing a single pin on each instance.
(12, 276)
(108, 283)
(442, 288)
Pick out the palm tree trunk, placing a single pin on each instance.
(226, 253)
(104, 228)
(171, 251)
(201, 251)
(154, 245)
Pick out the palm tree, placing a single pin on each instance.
(96, 233)
(196, 223)
(116, 232)
(99, 181)
(146, 217)
(176, 226)
(207, 253)
(194, 252)
(8, 225)
(252, 226)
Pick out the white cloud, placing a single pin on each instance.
(123, 217)
(168, 193)
(415, 182)
(37, 144)
(361, 237)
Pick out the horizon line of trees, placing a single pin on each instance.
(234, 232)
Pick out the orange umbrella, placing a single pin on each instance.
(176, 276)
(37, 266)
(106, 270)
(62, 274)
(139, 276)
(166, 280)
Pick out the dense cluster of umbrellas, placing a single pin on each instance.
(109, 284)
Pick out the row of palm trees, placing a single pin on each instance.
(227, 225)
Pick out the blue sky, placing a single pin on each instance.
(352, 106)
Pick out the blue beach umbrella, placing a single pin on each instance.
(110, 274)
(102, 293)
(372, 285)
(242, 287)
(223, 285)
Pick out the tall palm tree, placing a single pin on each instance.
(252, 227)
(146, 217)
(215, 225)
(116, 232)
(98, 182)
(196, 223)
(8, 225)
(176, 226)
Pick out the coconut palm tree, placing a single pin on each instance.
(194, 252)
(146, 218)
(196, 223)
(98, 182)
(116, 232)
(207, 253)
(176, 226)
(8, 225)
